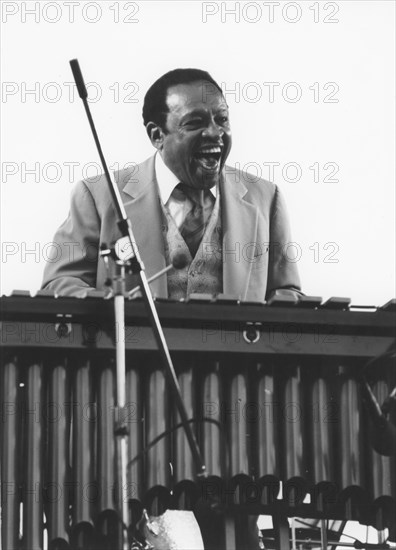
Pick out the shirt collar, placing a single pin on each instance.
(167, 180)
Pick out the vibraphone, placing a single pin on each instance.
(272, 392)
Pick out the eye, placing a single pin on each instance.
(223, 119)
(193, 122)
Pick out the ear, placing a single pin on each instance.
(155, 134)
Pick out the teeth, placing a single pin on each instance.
(211, 150)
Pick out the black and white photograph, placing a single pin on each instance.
(198, 291)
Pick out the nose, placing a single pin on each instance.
(213, 130)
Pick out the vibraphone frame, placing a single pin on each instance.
(292, 370)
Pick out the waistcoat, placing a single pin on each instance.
(204, 272)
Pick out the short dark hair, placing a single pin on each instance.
(155, 108)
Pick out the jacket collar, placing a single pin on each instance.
(142, 205)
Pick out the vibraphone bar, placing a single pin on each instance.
(272, 392)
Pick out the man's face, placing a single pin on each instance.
(198, 138)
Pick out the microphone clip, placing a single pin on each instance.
(123, 263)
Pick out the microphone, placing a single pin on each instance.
(179, 261)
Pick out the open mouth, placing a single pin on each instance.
(209, 158)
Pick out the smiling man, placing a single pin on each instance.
(232, 227)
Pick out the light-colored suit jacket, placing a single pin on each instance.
(256, 236)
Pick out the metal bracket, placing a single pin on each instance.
(252, 332)
(64, 327)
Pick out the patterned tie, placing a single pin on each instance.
(200, 205)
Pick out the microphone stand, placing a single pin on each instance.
(137, 267)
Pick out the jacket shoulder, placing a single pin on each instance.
(254, 184)
(98, 187)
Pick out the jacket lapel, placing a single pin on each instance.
(143, 209)
(239, 222)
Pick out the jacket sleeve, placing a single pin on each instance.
(71, 269)
(284, 254)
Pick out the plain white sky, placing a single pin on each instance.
(310, 87)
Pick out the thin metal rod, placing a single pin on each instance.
(323, 534)
(150, 279)
(120, 427)
(336, 544)
(121, 213)
(293, 533)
